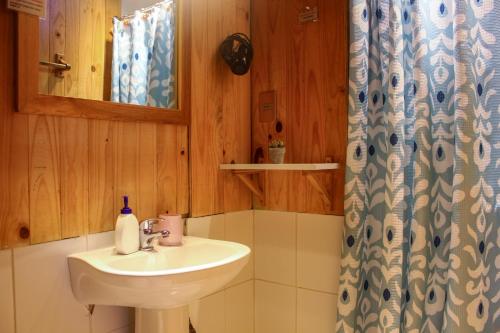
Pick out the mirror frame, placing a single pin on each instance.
(29, 101)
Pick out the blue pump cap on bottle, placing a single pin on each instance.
(126, 209)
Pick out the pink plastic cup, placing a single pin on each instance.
(172, 223)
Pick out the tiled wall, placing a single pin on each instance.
(289, 286)
(230, 310)
(35, 291)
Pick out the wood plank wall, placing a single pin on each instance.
(79, 29)
(306, 64)
(220, 101)
(62, 177)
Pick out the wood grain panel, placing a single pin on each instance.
(44, 173)
(335, 95)
(62, 177)
(126, 154)
(85, 49)
(72, 48)
(14, 145)
(269, 72)
(204, 178)
(220, 109)
(97, 69)
(167, 168)
(113, 8)
(57, 41)
(102, 213)
(74, 176)
(306, 64)
(44, 54)
(182, 170)
(147, 171)
(236, 118)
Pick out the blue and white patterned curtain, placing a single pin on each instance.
(143, 70)
(422, 204)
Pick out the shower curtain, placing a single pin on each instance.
(143, 69)
(422, 203)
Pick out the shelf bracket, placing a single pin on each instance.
(318, 186)
(246, 178)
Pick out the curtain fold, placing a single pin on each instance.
(422, 203)
(143, 69)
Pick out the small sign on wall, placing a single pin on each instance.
(267, 106)
(33, 7)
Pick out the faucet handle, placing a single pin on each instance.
(146, 226)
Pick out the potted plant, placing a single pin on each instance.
(277, 151)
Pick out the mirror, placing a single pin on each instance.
(88, 94)
(122, 51)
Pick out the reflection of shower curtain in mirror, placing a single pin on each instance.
(143, 70)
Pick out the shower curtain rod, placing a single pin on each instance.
(145, 10)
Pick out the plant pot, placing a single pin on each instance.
(277, 155)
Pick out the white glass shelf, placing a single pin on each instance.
(284, 167)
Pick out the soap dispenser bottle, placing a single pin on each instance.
(126, 231)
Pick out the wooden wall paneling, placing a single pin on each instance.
(147, 171)
(220, 109)
(44, 171)
(86, 46)
(199, 82)
(297, 114)
(14, 185)
(307, 68)
(335, 92)
(126, 165)
(215, 103)
(207, 109)
(182, 170)
(167, 169)
(72, 52)
(57, 41)
(270, 37)
(14, 170)
(313, 115)
(113, 8)
(236, 111)
(276, 182)
(44, 54)
(102, 212)
(74, 176)
(62, 177)
(98, 49)
(79, 29)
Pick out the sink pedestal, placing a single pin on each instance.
(174, 320)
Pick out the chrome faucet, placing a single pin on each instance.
(147, 236)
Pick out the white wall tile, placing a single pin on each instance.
(100, 240)
(275, 308)
(44, 301)
(6, 292)
(207, 315)
(275, 247)
(239, 308)
(316, 312)
(319, 243)
(107, 319)
(206, 227)
(239, 228)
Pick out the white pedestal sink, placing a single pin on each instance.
(160, 284)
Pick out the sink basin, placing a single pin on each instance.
(171, 277)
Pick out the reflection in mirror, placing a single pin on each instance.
(122, 51)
